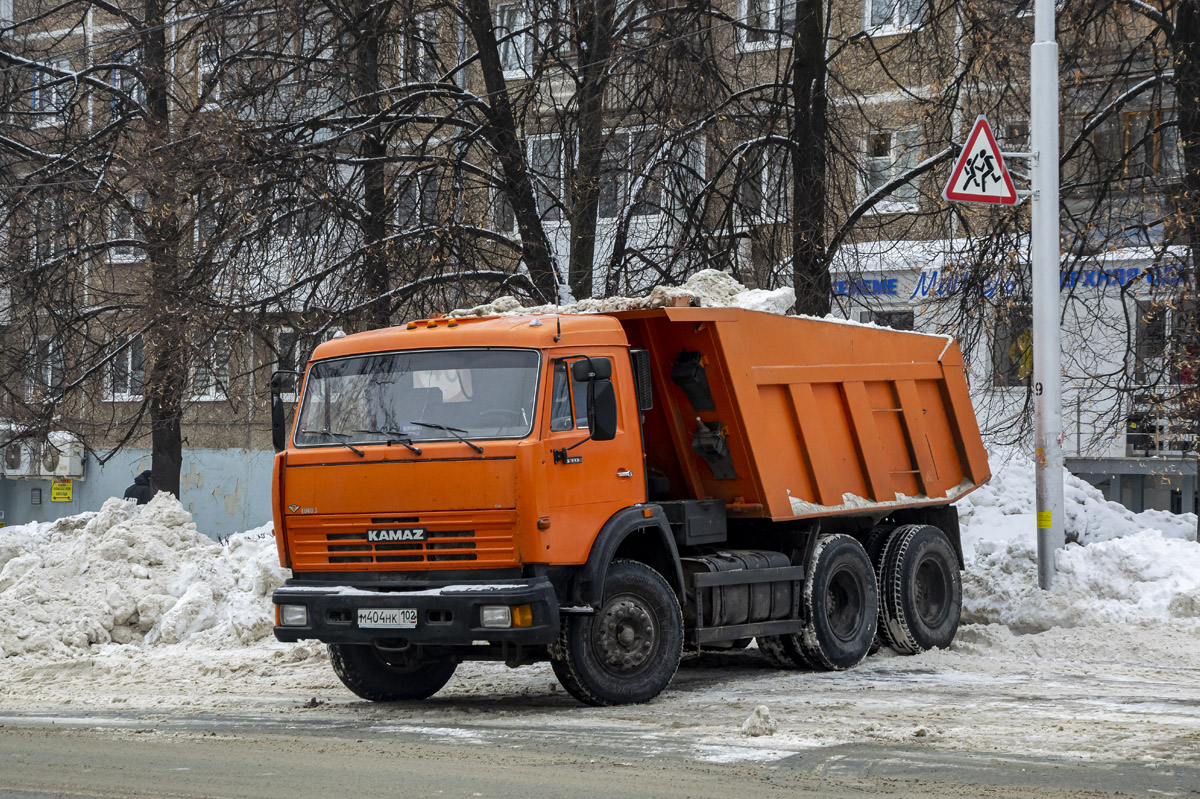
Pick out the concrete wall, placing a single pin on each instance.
(227, 490)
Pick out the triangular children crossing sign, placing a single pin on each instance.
(980, 176)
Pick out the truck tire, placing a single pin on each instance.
(840, 608)
(920, 590)
(628, 651)
(875, 542)
(364, 670)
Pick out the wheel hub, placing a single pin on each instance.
(930, 595)
(843, 605)
(625, 634)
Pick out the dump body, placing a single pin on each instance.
(819, 417)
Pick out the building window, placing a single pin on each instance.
(1012, 346)
(208, 63)
(1014, 136)
(292, 350)
(892, 16)
(632, 16)
(1149, 342)
(419, 44)
(627, 155)
(46, 368)
(895, 319)
(504, 219)
(1166, 342)
(51, 229)
(888, 157)
(766, 23)
(1151, 147)
(123, 227)
(764, 190)
(210, 374)
(129, 94)
(128, 372)
(547, 166)
(51, 93)
(417, 203)
(514, 39)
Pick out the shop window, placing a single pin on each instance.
(1012, 346)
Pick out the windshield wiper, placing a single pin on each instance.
(454, 431)
(402, 438)
(338, 437)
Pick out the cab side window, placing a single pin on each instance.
(560, 399)
(568, 400)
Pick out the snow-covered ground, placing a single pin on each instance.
(133, 609)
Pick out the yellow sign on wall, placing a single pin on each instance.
(62, 489)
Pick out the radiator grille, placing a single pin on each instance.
(341, 543)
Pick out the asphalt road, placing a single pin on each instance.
(179, 755)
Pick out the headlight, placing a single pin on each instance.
(293, 615)
(495, 616)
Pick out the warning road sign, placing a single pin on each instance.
(980, 176)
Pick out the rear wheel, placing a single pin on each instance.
(920, 590)
(382, 676)
(628, 651)
(840, 607)
(874, 543)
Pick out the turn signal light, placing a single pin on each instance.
(522, 616)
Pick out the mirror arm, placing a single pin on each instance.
(580, 441)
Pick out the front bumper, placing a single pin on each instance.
(447, 614)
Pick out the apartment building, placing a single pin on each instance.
(654, 139)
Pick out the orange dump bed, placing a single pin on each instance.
(787, 418)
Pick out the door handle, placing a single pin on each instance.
(625, 473)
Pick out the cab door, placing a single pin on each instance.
(588, 480)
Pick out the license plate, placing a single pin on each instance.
(403, 618)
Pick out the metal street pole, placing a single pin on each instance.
(1044, 255)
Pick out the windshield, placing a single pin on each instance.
(430, 395)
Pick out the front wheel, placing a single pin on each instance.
(382, 676)
(628, 651)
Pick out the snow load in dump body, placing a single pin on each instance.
(790, 417)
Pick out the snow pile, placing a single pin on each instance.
(132, 575)
(1142, 579)
(1132, 568)
(987, 512)
(709, 288)
(759, 723)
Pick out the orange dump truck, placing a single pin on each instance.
(602, 491)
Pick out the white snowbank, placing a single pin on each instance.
(1134, 568)
(1004, 508)
(1142, 579)
(709, 288)
(132, 575)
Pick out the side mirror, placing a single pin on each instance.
(587, 369)
(278, 422)
(602, 409)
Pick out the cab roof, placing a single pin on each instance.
(530, 332)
